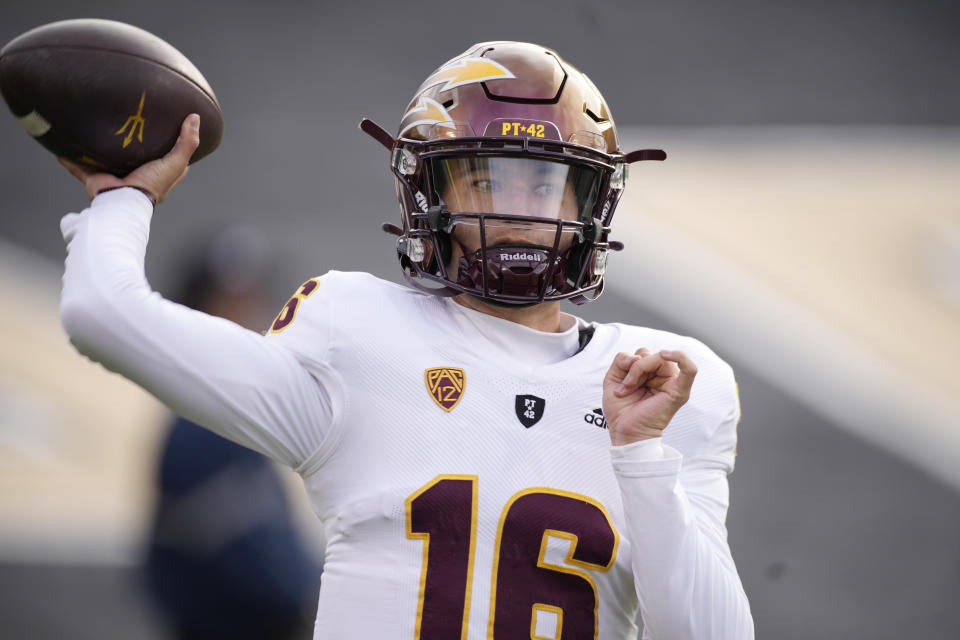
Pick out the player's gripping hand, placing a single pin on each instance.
(157, 177)
(642, 392)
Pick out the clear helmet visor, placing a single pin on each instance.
(516, 186)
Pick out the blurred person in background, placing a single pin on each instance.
(225, 559)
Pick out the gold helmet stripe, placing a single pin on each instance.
(467, 71)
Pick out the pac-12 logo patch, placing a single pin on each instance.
(445, 385)
(530, 410)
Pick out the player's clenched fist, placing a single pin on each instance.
(642, 392)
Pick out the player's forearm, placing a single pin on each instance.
(104, 272)
(207, 369)
(686, 580)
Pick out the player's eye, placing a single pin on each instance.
(485, 185)
(546, 189)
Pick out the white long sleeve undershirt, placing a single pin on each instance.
(207, 369)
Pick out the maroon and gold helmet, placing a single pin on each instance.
(508, 172)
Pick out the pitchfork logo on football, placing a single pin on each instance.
(135, 122)
(445, 385)
(530, 410)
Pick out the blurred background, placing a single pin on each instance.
(806, 226)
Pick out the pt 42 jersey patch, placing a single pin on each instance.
(530, 409)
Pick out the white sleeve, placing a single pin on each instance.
(207, 369)
(676, 510)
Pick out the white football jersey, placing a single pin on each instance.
(442, 437)
(466, 485)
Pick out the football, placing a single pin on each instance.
(104, 94)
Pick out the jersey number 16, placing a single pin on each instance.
(443, 513)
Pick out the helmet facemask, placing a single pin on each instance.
(509, 224)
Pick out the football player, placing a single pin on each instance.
(485, 465)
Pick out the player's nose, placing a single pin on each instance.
(519, 199)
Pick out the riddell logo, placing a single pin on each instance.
(421, 201)
(521, 255)
(596, 418)
(605, 212)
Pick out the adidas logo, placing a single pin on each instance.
(595, 417)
